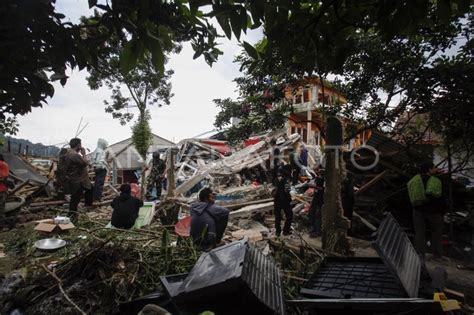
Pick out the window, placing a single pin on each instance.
(306, 95)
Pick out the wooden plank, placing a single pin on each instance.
(249, 210)
(300, 198)
(371, 182)
(243, 204)
(186, 186)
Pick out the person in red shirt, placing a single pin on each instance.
(4, 169)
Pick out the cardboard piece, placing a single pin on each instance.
(45, 227)
(50, 227)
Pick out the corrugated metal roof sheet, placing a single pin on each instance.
(388, 147)
(399, 255)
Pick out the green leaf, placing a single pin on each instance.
(250, 50)
(165, 35)
(262, 46)
(157, 56)
(224, 23)
(128, 57)
(235, 22)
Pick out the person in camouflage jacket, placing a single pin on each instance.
(156, 175)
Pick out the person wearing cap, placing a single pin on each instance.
(126, 208)
(77, 181)
(208, 220)
(425, 191)
(156, 176)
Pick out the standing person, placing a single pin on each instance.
(156, 176)
(425, 192)
(4, 170)
(282, 201)
(348, 198)
(274, 160)
(77, 176)
(295, 167)
(208, 221)
(101, 167)
(303, 156)
(316, 203)
(126, 208)
(60, 174)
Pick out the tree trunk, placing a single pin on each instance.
(334, 224)
(171, 186)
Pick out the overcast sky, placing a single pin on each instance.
(192, 112)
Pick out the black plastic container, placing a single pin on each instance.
(233, 279)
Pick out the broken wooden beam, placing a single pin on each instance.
(252, 209)
(243, 204)
(371, 182)
(17, 188)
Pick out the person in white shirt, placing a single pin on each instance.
(101, 167)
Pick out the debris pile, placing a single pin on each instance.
(108, 270)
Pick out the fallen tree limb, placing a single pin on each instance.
(103, 203)
(295, 278)
(294, 248)
(366, 223)
(60, 286)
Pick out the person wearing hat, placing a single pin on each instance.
(208, 220)
(77, 181)
(156, 176)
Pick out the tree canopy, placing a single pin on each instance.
(38, 45)
(305, 37)
(138, 89)
(387, 58)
